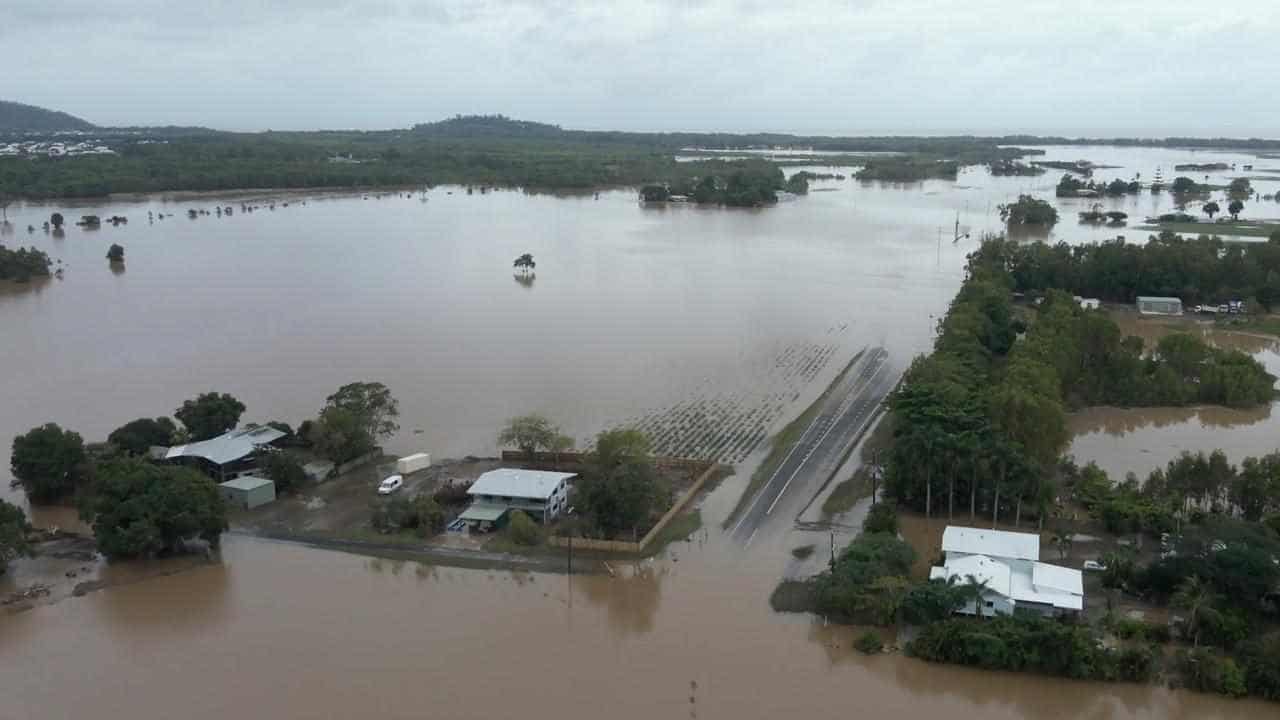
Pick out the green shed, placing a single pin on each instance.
(248, 492)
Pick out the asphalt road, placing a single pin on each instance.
(847, 410)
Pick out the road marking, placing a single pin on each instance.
(805, 460)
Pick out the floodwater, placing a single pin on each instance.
(718, 323)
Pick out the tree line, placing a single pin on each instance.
(983, 418)
(1197, 270)
(23, 264)
(140, 507)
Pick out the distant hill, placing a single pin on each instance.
(16, 116)
(460, 126)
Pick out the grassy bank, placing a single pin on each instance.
(782, 444)
(848, 492)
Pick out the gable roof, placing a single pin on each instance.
(227, 447)
(514, 482)
(995, 543)
(996, 575)
(1056, 577)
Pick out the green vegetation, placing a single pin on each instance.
(23, 264)
(1029, 211)
(529, 433)
(908, 169)
(282, 468)
(138, 436)
(17, 116)
(139, 509)
(209, 415)
(49, 463)
(881, 518)
(1030, 644)
(1070, 186)
(986, 416)
(523, 531)
(353, 420)
(1183, 185)
(620, 493)
(1013, 167)
(804, 552)
(1197, 270)
(421, 514)
(847, 493)
(868, 643)
(13, 534)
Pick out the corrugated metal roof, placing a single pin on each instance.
(228, 447)
(995, 543)
(1154, 298)
(517, 483)
(983, 569)
(246, 483)
(1056, 577)
(483, 512)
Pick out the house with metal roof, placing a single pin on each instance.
(1007, 566)
(228, 455)
(540, 494)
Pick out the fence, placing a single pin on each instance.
(622, 546)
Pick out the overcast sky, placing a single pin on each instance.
(1120, 67)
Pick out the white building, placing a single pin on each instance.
(1008, 563)
(541, 495)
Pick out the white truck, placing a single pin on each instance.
(413, 463)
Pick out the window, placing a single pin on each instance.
(990, 604)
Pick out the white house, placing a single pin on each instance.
(1008, 564)
(540, 494)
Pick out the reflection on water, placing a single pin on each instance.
(630, 600)
(524, 280)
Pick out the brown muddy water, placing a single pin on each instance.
(675, 317)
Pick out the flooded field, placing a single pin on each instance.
(709, 328)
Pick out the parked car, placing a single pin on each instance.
(1094, 566)
(390, 485)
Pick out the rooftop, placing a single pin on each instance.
(246, 483)
(228, 447)
(514, 482)
(995, 543)
(1154, 298)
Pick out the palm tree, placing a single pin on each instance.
(974, 590)
(1197, 598)
(524, 263)
(1062, 541)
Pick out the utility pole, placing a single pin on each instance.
(833, 550)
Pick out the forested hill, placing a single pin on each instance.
(16, 116)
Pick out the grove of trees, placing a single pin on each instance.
(138, 436)
(23, 264)
(141, 509)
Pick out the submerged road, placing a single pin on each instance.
(846, 412)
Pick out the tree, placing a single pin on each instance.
(881, 518)
(622, 489)
(283, 469)
(528, 432)
(138, 436)
(561, 443)
(524, 263)
(522, 530)
(1183, 185)
(1029, 210)
(1062, 540)
(13, 534)
(372, 404)
(48, 463)
(1198, 599)
(1210, 208)
(1235, 207)
(339, 435)
(209, 414)
(1240, 187)
(115, 253)
(140, 509)
(56, 220)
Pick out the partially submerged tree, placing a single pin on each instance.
(529, 433)
(209, 414)
(1210, 208)
(1235, 207)
(138, 436)
(141, 509)
(13, 534)
(115, 253)
(48, 463)
(524, 263)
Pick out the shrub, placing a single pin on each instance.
(1205, 671)
(522, 530)
(868, 643)
(420, 514)
(284, 470)
(881, 518)
(452, 494)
